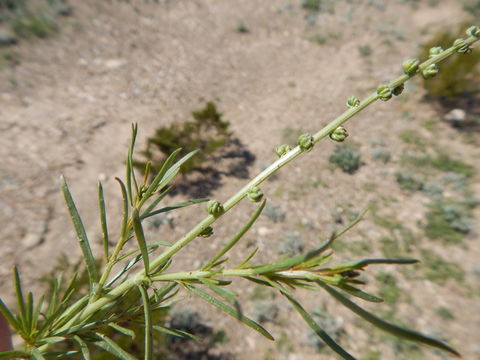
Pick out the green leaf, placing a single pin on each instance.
(123, 330)
(36, 313)
(248, 258)
(155, 202)
(231, 311)
(52, 340)
(9, 316)
(127, 267)
(294, 261)
(175, 332)
(125, 209)
(103, 220)
(360, 264)
(20, 299)
(154, 186)
(37, 355)
(142, 243)
(29, 314)
(317, 329)
(12, 354)
(111, 347)
(83, 347)
(148, 323)
(237, 236)
(130, 173)
(360, 294)
(173, 207)
(81, 234)
(389, 327)
(227, 294)
(173, 171)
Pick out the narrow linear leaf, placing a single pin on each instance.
(52, 340)
(353, 223)
(127, 267)
(360, 264)
(125, 209)
(29, 313)
(231, 311)
(174, 169)
(20, 298)
(123, 330)
(13, 354)
(83, 347)
(156, 180)
(142, 244)
(155, 202)
(37, 355)
(111, 347)
(81, 234)
(237, 236)
(148, 323)
(352, 290)
(36, 312)
(175, 332)
(7, 314)
(294, 261)
(248, 258)
(130, 174)
(173, 207)
(227, 294)
(389, 327)
(103, 220)
(317, 329)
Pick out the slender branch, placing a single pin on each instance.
(236, 198)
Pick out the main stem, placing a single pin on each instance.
(121, 289)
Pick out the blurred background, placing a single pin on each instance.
(235, 79)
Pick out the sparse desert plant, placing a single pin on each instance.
(347, 158)
(207, 132)
(154, 288)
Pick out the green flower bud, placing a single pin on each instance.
(305, 142)
(410, 66)
(207, 232)
(473, 31)
(353, 101)
(430, 71)
(339, 134)
(384, 92)
(398, 90)
(214, 208)
(434, 51)
(463, 47)
(255, 194)
(281, 150)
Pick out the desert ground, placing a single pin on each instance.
(274, 69)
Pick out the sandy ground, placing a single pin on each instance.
(67, 108)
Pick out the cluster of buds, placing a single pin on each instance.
(215, 208)
(463, 46)
(353, 101)
(384, 92)
(281, 150)
(255, 194)
(306, 142)
(339, 134)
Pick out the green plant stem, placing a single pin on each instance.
(121, 289)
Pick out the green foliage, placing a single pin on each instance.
(445, 313)
(439, 270)
(346, 157)
(365, 50)
(382, 155)
(207, 132)
(408, 181)
(440, 162)
(448, 221)
(312, 5)
(460, 74)
(41, 25)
